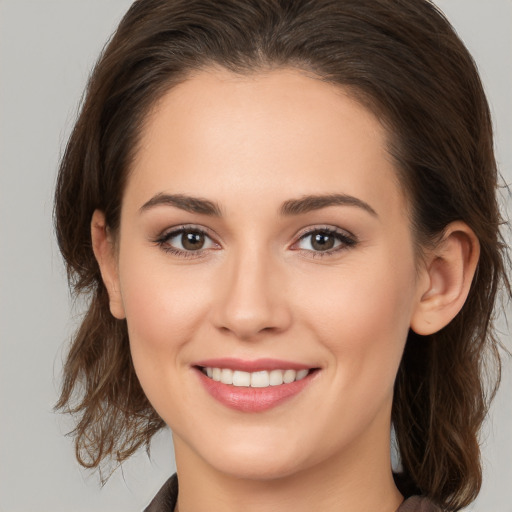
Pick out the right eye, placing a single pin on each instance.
(186, 241)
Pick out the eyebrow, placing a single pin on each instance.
(316, 202)
(291, 207)
(187, 203)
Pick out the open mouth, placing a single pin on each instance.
(258, 379)
(254, 386)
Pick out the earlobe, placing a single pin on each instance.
(448, 273)
(104, 252)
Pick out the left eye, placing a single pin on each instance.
(323, 240)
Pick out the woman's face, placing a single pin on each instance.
(263, 230)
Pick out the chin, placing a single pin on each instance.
(260, 461)
(259, 468)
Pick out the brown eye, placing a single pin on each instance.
(192, 240)
(325, 241)
(185, 241)
(322, 241)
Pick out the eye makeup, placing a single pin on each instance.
(324, 241)
(187, 241)
(191, 241)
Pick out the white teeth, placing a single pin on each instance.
(226, 376)
(289, 376)
(241, 378)
(301, 374)
(261, 379)
(276, 377)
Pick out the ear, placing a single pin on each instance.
(104, 251)
(448, 273)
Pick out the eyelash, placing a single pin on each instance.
(163, 241)
(346, 240)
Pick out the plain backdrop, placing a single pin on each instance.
(47, 49)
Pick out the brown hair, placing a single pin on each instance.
(405, 62)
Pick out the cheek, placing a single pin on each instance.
(362, 316)
(163, 305)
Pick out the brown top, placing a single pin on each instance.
(418, 504)
(166, 498)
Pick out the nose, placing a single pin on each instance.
(252, 297)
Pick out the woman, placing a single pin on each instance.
(285, 214)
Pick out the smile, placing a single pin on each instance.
(254, 386)
(259, 379)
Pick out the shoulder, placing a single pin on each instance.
(418, 504)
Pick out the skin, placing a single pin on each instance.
(259, 289)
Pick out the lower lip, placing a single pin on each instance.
(246, 399)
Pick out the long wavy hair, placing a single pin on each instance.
(403, 61)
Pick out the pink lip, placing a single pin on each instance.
(247, 399)
(252, 366)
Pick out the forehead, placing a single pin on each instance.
(268, 132)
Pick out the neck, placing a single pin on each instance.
(357, 481)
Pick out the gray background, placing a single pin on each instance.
(47, 48)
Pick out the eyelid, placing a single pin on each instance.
(168, 233)
(346, 239)
(325, 227)
(164, 233)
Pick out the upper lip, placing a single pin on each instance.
(252, 366)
